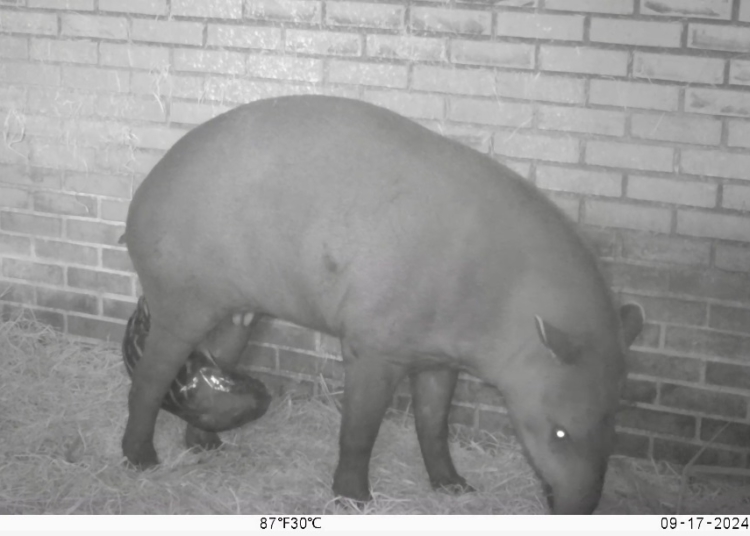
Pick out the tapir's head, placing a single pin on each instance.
(564, 409)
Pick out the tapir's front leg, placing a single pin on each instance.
(164, 354)
(369, 385)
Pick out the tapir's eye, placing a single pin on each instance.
(560, 434)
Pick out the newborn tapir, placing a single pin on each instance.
(422, 255)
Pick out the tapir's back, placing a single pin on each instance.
(339, 202)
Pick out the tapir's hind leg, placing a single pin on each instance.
(164, 354)
(432, 392)
(368, 389)
(225, 343)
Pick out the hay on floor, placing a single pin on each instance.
(63, 411)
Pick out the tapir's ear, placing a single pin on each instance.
(631, 317)
(558, 342)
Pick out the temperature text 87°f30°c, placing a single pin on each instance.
(290, 522)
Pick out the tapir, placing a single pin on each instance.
(422, 255)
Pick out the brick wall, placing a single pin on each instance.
(632, 114)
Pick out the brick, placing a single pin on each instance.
(570, 206)
(439, 79)
(95, 328)
(14, 245)
(29, 23)
(717, 102)
(631, 445)
(678, 68)
(661, 422)
(243, 37)
(731, 257)
(583, 60)
(30, 224)
(327, 43)
(713, 225)
(710, 284)
(637, 277)
(143, 7)
(703, 9)
(52, 155)
(90, 183)
(117, 308)
(365, 15)
(33, 271)
(63, 251)
(147, 108)
(454, 21)
(406, 47)
(226, 9)
(541, 87)
(16, 48)
(472, 136)
(727, 433)
(569, 119)
(639, 391)
(15, 292)
(116, 259)
(603, 241)
(15, 197)
(712, 37)
(167, 31)
(72, 5)
(615, 7)
(123, 160)
(59, 203)
(683, 453)
(730, 318)
(627, 216)
(727, 375)
(418, 106)
(56, 50)
(636, 32)
(663, 366)
(626, 155)
(130, 55)
(520, 145)
(94, 232)
(95, 26)
(682, 129)
(286, 68)
(156, 137)
(518, 55)
(310, 365)
(490, 112)
(634, 95)
(539, 26)
(715, 163)
(209, 61)
(736, 197)
(29, 74)
(17, 152)
(707, 342)
(95, 280)
(67, 301)
(284, 10)
(666, 248)
(739, 72)
(113, 210)
(702, 400)
(677, 191)
(93, 78)
(744, 14)
(194, 113)
(579, 181)
(369, 74)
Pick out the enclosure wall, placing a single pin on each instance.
(633, 115)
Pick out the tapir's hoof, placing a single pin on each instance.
(195, 438)
(456, 487)
(140, 459)
(348, 487)
(203, 395)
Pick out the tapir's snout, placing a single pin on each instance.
(570, 500)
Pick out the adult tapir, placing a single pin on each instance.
(422, 255)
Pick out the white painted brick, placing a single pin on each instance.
(739, 133)
(702, 9)
(571, 119)
(679, 192)
(634, 95)
(715, 163)
(628, 155)
(636, 32)
(615, 7)
(739, 72)
(678, 68)
(539, 26)
(714, 37)
(581, 181)
(736, 196)
(713, 225)
(717, 102)
(677, 128)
